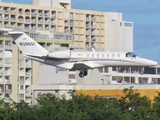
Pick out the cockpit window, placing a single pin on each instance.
(130, 54)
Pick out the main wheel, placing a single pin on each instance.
(81, 74)
(85, 73)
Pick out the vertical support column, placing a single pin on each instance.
(150, 80)
(136, 80)
(15, 73)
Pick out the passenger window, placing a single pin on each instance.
(112, 55)
(92, 55)
(107, 55)
(118, 55)
(97, 55)
(102, 55)
(87, 55)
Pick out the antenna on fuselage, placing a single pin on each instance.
(93, 49)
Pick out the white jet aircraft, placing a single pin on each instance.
(81, 61)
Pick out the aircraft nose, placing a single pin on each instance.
(152, 63)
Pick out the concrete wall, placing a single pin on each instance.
(14, 74)
(49, 75)
(93, 78)
(58, 90)
(118, 36)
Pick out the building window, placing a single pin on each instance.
(21, 87)
(62, 37)
(128, 24)
(21, 95)
(7, 96)
(114, 78)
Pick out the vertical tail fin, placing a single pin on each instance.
(27, 45)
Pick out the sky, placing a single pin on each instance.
(145, 16)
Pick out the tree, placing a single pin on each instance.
(135, 105)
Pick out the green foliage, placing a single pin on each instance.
(132, 106)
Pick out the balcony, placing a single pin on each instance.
(6, 18)
(21, 20)
(13, 17)
(1, 47)
(28, 82)
(28, 94)
(46, 28)
(40, 21)
(7, 98)
(27, 20)
(20, 12)
(53, 15)
(13, 12)
(8, 91)
(27, 13)
(46, 14)
(88, 25)
(33, 20)
(47, 22)
(28, 65)
(1, 89)
(40, 13)
(28, 101)
(28, 74)
(6, 11)
(8, 72)
(8, 46)
(21, 74)
(7, 81)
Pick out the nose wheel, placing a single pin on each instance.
(83, 73)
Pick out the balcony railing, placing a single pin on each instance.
(8, 90)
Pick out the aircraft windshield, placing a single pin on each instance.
(130, 54)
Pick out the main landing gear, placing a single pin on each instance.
(83, 73)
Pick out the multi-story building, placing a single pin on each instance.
(55, 26)
(110, 82)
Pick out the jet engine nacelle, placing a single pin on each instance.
(60, 54)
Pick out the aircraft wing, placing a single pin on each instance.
(79, 65)
(87, 65)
